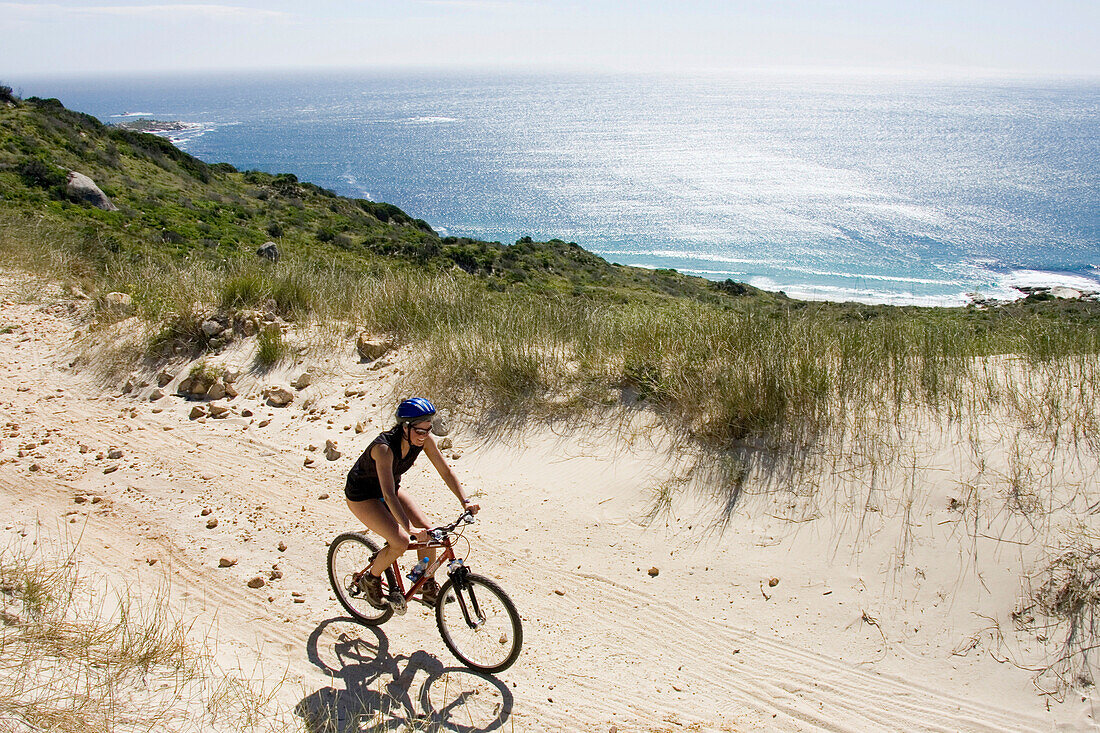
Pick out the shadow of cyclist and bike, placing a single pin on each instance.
(382, 691)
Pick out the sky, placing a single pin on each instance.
(76, 37)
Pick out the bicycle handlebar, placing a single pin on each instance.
(437, 534)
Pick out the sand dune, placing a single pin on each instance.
(861, 596)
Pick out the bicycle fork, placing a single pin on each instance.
(462, 589)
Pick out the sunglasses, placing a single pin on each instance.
(422, 431)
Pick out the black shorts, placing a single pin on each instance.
(364, 491)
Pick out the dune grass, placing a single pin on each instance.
(77, 658)
(1062, 607)
(787, 373)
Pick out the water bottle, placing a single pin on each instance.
(418, 570)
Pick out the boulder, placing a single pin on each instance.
(212, 328)
(269, 251)
(331, 453)
(164, 378)
(81, 188)
(370, 348)
(215, 391)
(278, 396)
(119, 303)
(304, 380)
(1066, 293)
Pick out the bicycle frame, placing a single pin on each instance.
(458, 577)
(447, 555)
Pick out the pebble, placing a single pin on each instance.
(212, 524)
(256, 582)
(654, 572)
(282, 547)
(227, 562)
(773, 582)
(206, 512)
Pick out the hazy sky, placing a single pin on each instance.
(72, 36)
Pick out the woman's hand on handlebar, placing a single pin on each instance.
(472, 507)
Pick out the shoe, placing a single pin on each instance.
(396, 601)
(429, 592)
(371, 585)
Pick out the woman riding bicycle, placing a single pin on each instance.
(374, 496)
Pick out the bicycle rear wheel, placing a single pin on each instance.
(479, 623)
(348, 556)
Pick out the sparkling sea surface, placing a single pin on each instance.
(866, 188)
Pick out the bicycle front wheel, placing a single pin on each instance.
(348, 556)
(479, 623)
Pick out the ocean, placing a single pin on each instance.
(867, 188)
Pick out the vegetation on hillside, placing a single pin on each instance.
(725, 361)
(172, 203)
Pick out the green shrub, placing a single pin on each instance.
(271, 349)
(243, 290)
(203, 373)
(39, 173)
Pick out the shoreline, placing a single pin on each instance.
(841, 215)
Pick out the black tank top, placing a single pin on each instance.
(364, 474)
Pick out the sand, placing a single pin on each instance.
(865, 595)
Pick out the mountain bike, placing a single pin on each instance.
(476, 618)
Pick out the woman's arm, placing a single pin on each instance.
(383, 461)
(448, 475)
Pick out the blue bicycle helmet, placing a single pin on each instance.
(415, 409)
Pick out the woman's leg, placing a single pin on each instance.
(417, 518)
(377, 518)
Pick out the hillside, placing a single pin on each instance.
(171, 202)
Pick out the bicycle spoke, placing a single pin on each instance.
(479, 624)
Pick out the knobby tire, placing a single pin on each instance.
(494, 646)
(349, 554)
